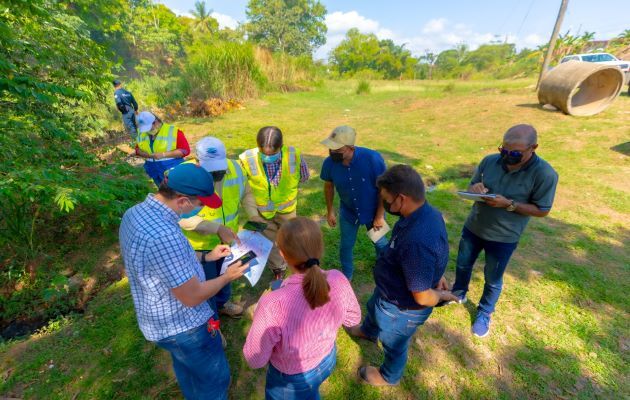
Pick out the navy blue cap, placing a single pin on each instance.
(192, 180)
(116, 82)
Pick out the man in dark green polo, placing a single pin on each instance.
(525, 186)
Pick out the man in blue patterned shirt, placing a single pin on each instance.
(168, 285)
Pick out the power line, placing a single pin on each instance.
(511, 12)
(525, 17)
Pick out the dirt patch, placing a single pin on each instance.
(418, 105)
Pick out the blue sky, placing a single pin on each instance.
(438, 25)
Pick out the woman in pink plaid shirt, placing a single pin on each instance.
(295, 326)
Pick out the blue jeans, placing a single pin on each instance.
(394, 327)
(156, 169)
(129, 120)
(216, 302)
(497, 257)
(304, 386)
(199, 362)
(349, 228)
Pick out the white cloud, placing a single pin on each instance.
(225, 21)
(434, 25)
(342, 21)
(533, 40)
(436, 35)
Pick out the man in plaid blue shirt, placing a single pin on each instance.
(168, 285)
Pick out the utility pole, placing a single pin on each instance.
(552, 41)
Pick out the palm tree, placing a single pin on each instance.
(203, 19)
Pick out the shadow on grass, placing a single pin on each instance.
(623, 148)
(392, 158)
(537, 106)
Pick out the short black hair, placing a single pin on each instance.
(402, 179)
(521, 133)
(269, 136)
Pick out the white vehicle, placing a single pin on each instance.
(601, 58)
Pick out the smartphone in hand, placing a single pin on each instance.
(255, 226)
(245, 258)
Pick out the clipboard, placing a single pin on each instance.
(475, 196)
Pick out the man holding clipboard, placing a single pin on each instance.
(517, 184)
(352, 171)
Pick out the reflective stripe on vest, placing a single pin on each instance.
(251, 162)
(163, 142)
(292, 160)
(238, 180)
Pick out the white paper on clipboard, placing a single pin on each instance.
(475, 196)
(255, 242)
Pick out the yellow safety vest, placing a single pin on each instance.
(232, 192)
(165, 140)
(271, 199)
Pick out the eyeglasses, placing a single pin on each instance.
(511, 153)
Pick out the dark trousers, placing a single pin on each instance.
(497, 257)
(212, 270)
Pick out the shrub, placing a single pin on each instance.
(363, 87)
(221, 69)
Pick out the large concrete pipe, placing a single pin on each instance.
(581, 88)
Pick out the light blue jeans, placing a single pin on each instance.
(394, 327)
(349, 228)
(304, 386)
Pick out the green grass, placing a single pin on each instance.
(560, 329)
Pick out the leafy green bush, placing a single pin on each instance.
(221, 69)
(363, 87)
(53, 189)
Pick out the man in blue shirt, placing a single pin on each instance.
(127, 105)
(168, 285)
(352, 170)
(408, 274)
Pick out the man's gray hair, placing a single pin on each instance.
(522, 133)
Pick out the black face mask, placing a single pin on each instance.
(218, 175)
(388, 207)
(511, 160)
(336, 157)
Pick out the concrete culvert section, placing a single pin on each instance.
(581, 88)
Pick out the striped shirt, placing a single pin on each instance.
(294, 338)
(158, 258)
(274, 170)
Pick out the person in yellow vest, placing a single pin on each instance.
(162, 145)
(274, 172)
(211, 226)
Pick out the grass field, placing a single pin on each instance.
(561, 326)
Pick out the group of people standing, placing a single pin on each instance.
(174, 242)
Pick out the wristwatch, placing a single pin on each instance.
(512, 206)
(203, 256)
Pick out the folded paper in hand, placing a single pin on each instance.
(375, 235)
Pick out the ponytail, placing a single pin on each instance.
(301, 242)
(315, 286)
